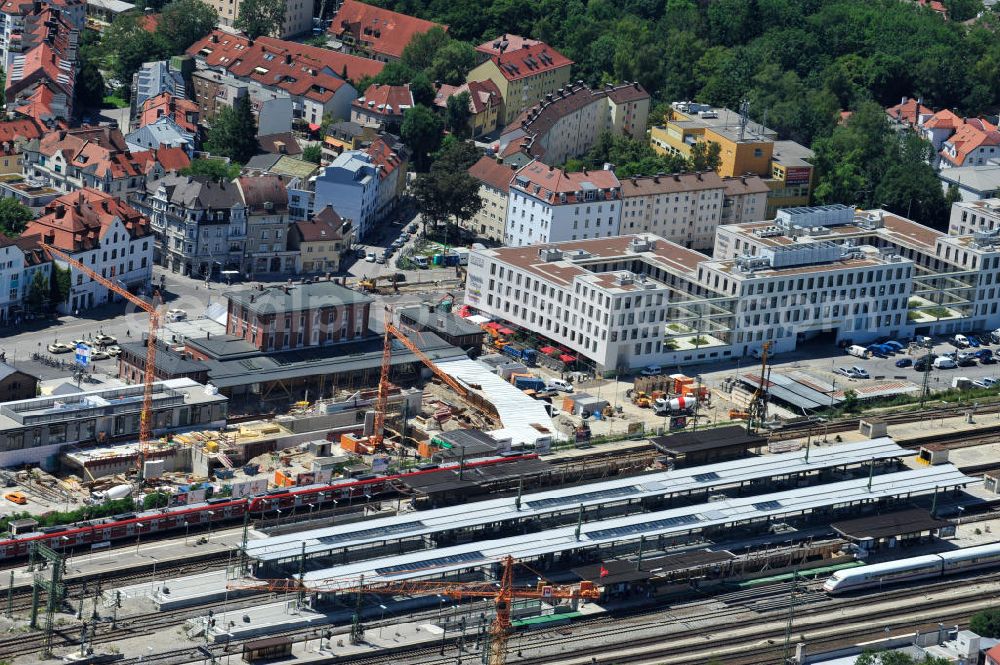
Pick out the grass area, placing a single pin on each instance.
(699, 341)
(915, 303)
(115, 102)
(937, 312)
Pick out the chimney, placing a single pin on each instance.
(699, 175)
(551, 168)
(288, 58)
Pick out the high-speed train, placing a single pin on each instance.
(915, 568)
(102, 531)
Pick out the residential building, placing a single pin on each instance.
(280, 144)
(160, 77)
(505, 42)
(315, 80)
(382, 106)
(973, 144)
(746, 147)
(20, 259)
(362, 185)
(321, 241)
(745, 200)
(96, 158)
(105, 234)
(684, 208)
(298, 316)
(265, 199)
(494, 178)
(546, 204)
(344, 135)
(973, 182)
(939, 127)
(13, 15)
(909, 113)
(41, 71)
(185, 113)
(485, 104)
(16, 385)
(374, 32)
(163, 132)
(298, 15)
(296, 174)
(13, 135)
(199, 223)
(568, 122)
(31, 194)
(971, 217)
(522, 75)
(102, 13)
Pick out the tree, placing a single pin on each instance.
(62, 282)
(457, 114)
(422, 90)
(986, 622)
(447, 193)
(850, 401)
(234, 132)
(421, 131)
(261, 17)
(155, 500)
(183, 22)
(419, 54)
(215, 168)
(14, 216)
(871, 657)
(452, 62)
(126, 45)
(705, 156)
(313, 153)
(38, 293)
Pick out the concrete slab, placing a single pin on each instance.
(250, 622)
(191, 590)
(985, 456)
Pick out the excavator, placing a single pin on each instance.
(371, 284)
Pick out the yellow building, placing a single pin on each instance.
(744, 148)
(522, 75)
(320, 242)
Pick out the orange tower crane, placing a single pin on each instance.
(382, 401)
(146, 416)
(502, 594)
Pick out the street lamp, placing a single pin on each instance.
(381, 621)
(211, 516)
(186, 531)
(138, 534)
(277, 521)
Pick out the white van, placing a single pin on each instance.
(559, 384)
(858, 351)
(961, 341)
(944, 362)
(421, 261)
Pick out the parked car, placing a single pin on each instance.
(967, 361)
(421, 261)
(981, 340)
(174, 315)
(985, 356)
(370, 258)
(973, 341)
(904, 362)
(114, 350)
(16, 497)
(859, 372)
(652, 370)
(894, 344)
(985, 382)
(843, 371)
(944, 362)
(105, 340)
(380, 260)
(960, 341)
(59, 347)
(560, 385)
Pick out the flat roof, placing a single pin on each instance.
(449, 480)
(448, 323)
(708, 439)
(437, 562)
(630, 571)
(297, 297)
(889, 525)
(491, 511)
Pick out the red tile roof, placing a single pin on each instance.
(301, 70)
(262, 189)
(183, 111)
(325, 225)
(482, 95)
(150, 22)
(170, 158)
(968, 138)
(77, 221)
(383, 155)
(101, 151)
(908, 111)
(529, 61)
(384, 32)
(381, 99)
(12, 131)
(943, 119)
(493, 173)
(548, 183)
(506, 42)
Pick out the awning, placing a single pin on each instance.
(547, 349)
(313, 127)
(464, 311)
(567, 358)
(505, 331)
(493, 325)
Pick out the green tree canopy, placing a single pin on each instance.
(126, 45)
(421, 131)
(447, 193)
(184, 22)
(986, 622)
(38, 293)
(260, 17)
(313, 153)
(629, 156)
(215, 168)
(234, 132)
(457, 114)
(14, 216)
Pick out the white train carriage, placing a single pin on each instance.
(890, 572)
(971, 558)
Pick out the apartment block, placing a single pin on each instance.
(547, 204)
(494, 178)
(684, 208)
(20, 259)
(568, 122)
(381, 107)
(298, 15)
(374, 32)
(523, 75)
(970, 217)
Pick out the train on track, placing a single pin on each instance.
(99, 533)
(915, 568)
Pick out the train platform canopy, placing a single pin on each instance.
(535, 505)
(708, 445)
(793, 392)
(467, 481)
(897, 524)
(651, 525)
(618, 571)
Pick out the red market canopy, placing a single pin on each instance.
(505, 331)
(493, 325)
(547, 349)
(567, 358)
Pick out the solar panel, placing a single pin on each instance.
(377, 532)
(633, 529)
(705, 477)
(428, 564)
(767, 505)
(614, 493)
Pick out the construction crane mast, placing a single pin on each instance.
(146, 415)
(758, 403)
(502, 594)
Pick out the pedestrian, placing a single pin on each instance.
(128, 332)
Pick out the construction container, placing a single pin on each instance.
(426, 449)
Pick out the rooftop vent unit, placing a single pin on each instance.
(748, 263)
(769, 232)
(577, 254)
(624, 278)
(549, 254)
(986, 239)
(641, 244)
